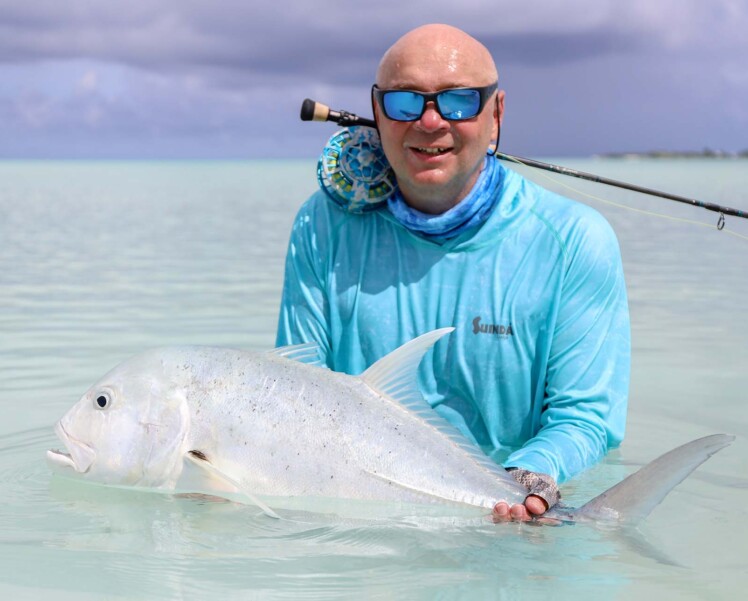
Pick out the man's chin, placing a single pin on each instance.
(433, 190)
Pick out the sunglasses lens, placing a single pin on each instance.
(459, 104)
(402, 106)
(454, 105)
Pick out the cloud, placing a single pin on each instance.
(337, 38)
(188, 76)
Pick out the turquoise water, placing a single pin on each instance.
(101, 260)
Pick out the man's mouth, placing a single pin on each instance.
(431, 151)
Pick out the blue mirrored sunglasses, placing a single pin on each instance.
(454, 104)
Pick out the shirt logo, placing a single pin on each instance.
(492, 328)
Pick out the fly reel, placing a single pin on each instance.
(353, 171)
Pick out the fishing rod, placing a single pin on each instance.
(316, 111)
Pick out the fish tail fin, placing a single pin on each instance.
(632, 499)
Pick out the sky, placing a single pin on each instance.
(224, 79)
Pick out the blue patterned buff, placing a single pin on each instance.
(470, 212)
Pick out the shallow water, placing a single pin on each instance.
(101, 260)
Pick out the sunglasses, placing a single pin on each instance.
(454, 104)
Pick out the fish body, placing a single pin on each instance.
(255, 425)
(277, 427)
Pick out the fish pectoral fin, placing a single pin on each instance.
(200, 475)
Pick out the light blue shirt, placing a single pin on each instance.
(536, 372)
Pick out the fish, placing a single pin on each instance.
(251, 426)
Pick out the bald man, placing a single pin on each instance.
(536, 372)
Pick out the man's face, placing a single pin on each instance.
(436, 161)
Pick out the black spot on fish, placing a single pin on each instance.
(198, 454)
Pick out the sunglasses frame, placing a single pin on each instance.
(484, 93)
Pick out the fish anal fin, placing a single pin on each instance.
(200, 475)
(415, 491)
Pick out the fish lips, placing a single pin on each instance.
(80, 456)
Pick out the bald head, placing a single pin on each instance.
(437, 160)
(441, 50)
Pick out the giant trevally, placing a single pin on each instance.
(248, 425)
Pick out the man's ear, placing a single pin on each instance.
(498, 113)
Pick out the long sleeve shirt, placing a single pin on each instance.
(537, 370)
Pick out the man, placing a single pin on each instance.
(536, 371)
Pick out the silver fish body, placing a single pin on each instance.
(284, 428)
(274, 426)
(249, 426)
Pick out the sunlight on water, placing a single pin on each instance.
(101, 260)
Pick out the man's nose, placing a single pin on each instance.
(431, 120)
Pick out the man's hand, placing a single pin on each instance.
(533, 507)
(542, 495)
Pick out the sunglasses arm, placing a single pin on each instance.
(316, 111)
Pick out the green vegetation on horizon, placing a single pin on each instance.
(670, 154)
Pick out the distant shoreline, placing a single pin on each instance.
(707, 153)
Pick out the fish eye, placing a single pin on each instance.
(102, 400)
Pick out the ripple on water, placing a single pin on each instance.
(94, 539)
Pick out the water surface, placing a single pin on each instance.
(100, 260)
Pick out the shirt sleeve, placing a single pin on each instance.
(586, 389)
(304, 311)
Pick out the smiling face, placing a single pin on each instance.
(437, 161)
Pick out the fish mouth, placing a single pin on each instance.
(80, 456)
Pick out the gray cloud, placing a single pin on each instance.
(333, 38)
(212, 77)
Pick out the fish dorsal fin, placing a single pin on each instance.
(632, 499)
(396, 374)
(307, 353)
